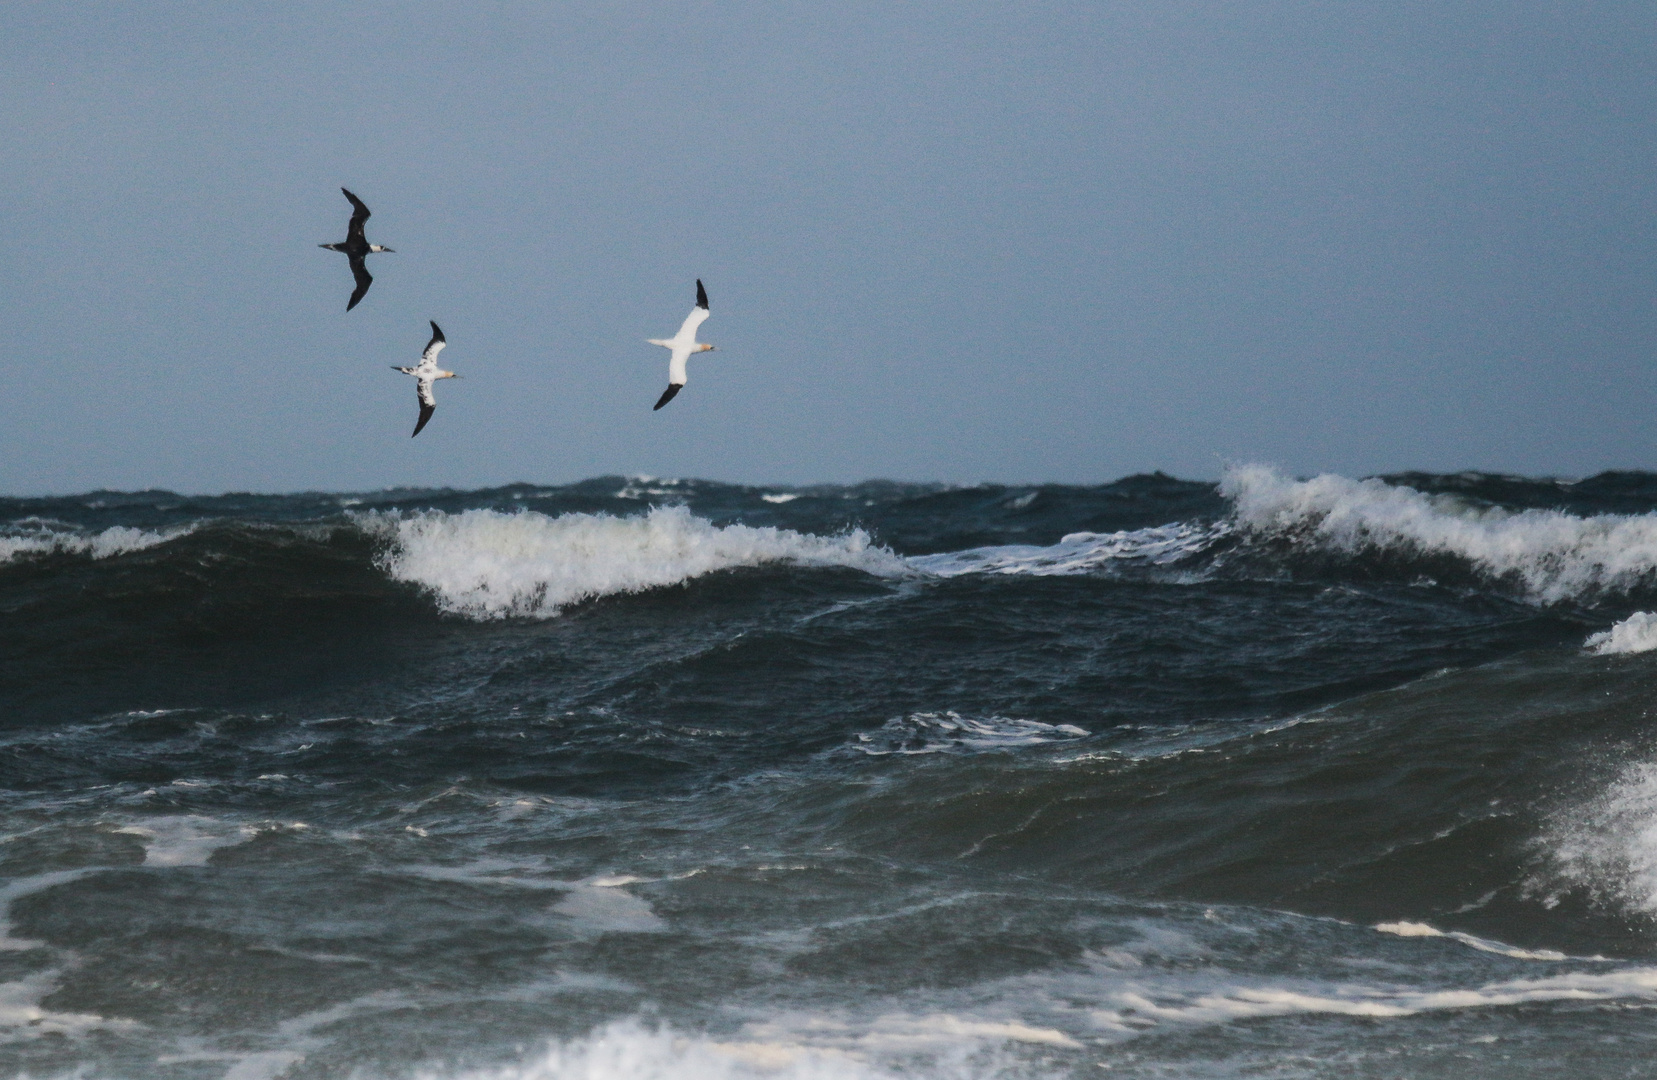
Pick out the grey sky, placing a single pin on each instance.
(952, 241)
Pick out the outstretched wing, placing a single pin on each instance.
(359, 214)
(701, 295)
(428, 404)
(435, 345)
(667, 395)
(364, 279)
(687, 330)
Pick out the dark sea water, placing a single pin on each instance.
(649, 779)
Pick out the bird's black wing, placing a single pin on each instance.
(701, 295)
(364, 279)
(359, 214)
(428, 405)
(667, 395)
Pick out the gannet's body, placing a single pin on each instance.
(427, 372)
(356, 248)
(682, 345)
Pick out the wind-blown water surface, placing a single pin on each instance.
(637, 778)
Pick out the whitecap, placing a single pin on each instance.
(1553, 555)
(486, 564)
(1426, 930)
(1635, 634)
(627, 1050)
(39, 538)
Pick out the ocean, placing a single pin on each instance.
(640, 778)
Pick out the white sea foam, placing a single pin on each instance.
(1552, 554)
(950, 732)
(1135, 1010)
(1425, 930)
(190, 840)
(1078, 553)
(630, 1051)
(486, 564)
(48, 538)
(606, 908)
(1635, 634)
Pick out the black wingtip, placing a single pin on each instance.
(437, 333)
(667, 395)
(701, 295)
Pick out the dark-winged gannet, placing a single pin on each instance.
(427, 372)
(356, 248)
(682, 345)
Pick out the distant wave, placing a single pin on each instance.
(37, 537)
(1553, 555)
(487, 564)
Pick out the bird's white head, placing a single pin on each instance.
(378, 248)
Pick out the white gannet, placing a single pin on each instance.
(427, 372)
(683, 344)
(356, 247)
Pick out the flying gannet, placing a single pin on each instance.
(682, 345)
(427, 372)
(356, 248)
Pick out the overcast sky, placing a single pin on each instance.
(943, 241)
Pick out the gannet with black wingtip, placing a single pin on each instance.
(682, 345)
(356, 248)
(427, 372)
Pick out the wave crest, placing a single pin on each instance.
(486, 564)
(1553, 555)
(36, 537)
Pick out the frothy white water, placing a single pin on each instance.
(950, 732)
(1609, 845)
(1135, 1011)
(1635, 634)
(1078, 553)
(44, 538)
(1425, 930)
(186, 839)
(488, 565)
(1554, 555)
(629, 1051)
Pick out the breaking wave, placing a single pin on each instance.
(35, 537)
(1551, 554)
(486, 564)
